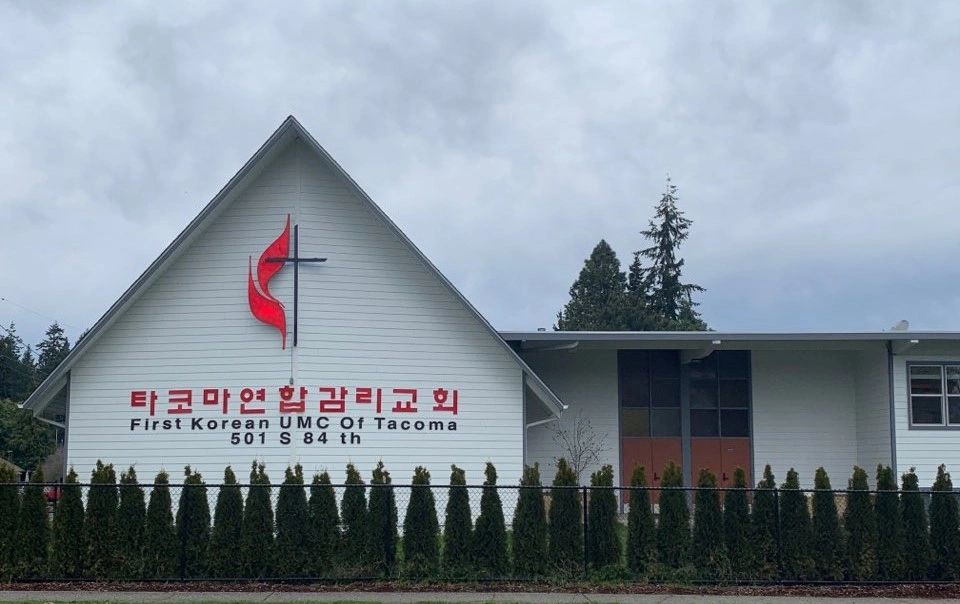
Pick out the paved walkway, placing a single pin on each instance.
(415, 597)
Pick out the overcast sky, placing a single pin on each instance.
(816, 146)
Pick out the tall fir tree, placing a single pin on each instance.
(24, 440)
(890, 543)
(565, 550)
(602, 538)
(490, 532)
(353, 512)
(292, 546)
(101, 523)
(324, 526)
(193, 525)
(861, 528)
(457, 528)
(224, 554)
(421, 552)
(764, 523)
(916, 535)
(673, 532)
(9, 513)
(256, 532)
(795, 533)
(598, 296)
(668, 297)
(53, 349)
(67, 551)
(736, 527)
(28, 376)
(159, 534)
(131, 517)
(828, 546)
(33, 531)
(383, 523)
(529, 526)
(708, 550)
(641, 530)
(944, 528)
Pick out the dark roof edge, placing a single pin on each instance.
(703, 336)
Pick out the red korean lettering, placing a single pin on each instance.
(366, 396)
(249, 397)
(288, 404)
(445, 402)
(332, 403)
(181, 400)
(406, 406)
(140, 398)
(216, 397)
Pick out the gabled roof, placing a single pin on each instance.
(290, 129)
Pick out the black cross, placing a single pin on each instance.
(296, 260)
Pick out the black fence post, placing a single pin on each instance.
(776, 508)
(586, 541)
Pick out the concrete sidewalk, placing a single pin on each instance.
(135, 597)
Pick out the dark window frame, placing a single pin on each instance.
(718, 379)
(652, 406)
(944, 396)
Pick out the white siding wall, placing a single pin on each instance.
(873, 411)
(586, 380)
(373, 315)
(804, 413)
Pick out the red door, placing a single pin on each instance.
(663, 450)
(705, 453)
(634, 451)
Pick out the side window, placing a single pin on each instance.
(649, 392)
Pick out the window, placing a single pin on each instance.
(649, 392)
(934, 394)
(720, 394)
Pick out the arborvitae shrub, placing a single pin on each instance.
(256, 532)
(827, 538)
(673, 533)
(944, 530)
(421, 554)
(566, 524)
(916, 536)
(354, 514)
(890, 554)
(131, 516)
(33, 531)
(9, 510)
(324, 525)
(225, 555)
(529, 526)
(736, 527)
(292, 546)
(602, 538)
(159, 534)
(490, 533)
(193, 525)
(860, 525)
(763, 523)
(67, 551)
(457, 528)
(101, 523)
(708, 551)
(383, 524)
(641, 532)
(795, 530)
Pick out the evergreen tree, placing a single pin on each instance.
(292, 546)
(67, 551)
(764, 521)
(33, 531)
(597, 297)
(944, 530)
(421, 555)
(641, 532)
(383, 523)
(795, 531)
(890, 543)
(9, 513)
(225, 555)
(28, 374)
(101, 523)
(457, 528)
(602, 538)
(53, 349)
(529, 526)
(916, 536)
(324, 525)
(708, 550)
(827, 538)
(354, 515)
(10, 366)
(566, 524)
(24, 440)
(669, 298)
(490, 533)
(159, 535)
(131, 517)
(639, 316)
(673, 534)
(861, 528)
(736, 527)
(193, 525)
(256, 532)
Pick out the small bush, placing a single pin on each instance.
(566, 524)
(861, 529)
(944, 530)
(916, 536)
(67, 551)
(353, 512)
(256, 532)
(530, 527)
(641, 532)
(193, 525)
(9, 510)
(795, 530)
(736, 527)
(890, 553)
(490, 532)
(131, 516)
(827, 538)
(708, 551)
(602, 538)
(383, 524)
(421, 555)
(159, 535)
(101, 523)
(292, 548)
(225, 554)
(324, 525)
(763, 523)
(673, 533)
(33, 530)
(457, 529)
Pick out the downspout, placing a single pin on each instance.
(893, 418)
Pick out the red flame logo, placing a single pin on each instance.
(263, 305)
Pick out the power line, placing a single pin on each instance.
(39, 314)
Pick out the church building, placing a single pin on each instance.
(293, 322)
